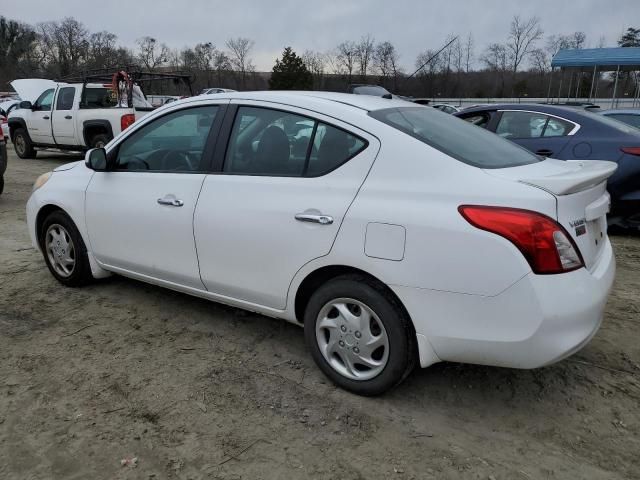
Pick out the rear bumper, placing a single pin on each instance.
(539, 320)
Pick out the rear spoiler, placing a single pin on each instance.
(581, 175)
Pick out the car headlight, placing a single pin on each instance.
(41, 180)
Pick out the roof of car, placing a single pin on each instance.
(363, 102)
(625, 111)
(532, 107)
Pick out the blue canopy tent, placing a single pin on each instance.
(598, 60)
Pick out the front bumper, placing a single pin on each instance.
(539, 320)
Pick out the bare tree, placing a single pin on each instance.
(496, 59)
(345, 59)
(540, 61)
(523, 36)
(64, 44)
(221, 65)
(151, 53)
(315, 63)
(364, 54)
(385, 60)
(239, 51)
(468, 53)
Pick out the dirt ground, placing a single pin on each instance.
(197, 390)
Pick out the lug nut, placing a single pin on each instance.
(343, 328)
(356, 350)
(358, 334)
(341, 343)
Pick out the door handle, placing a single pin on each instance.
(544, 152)
(321, 219)
(170, 201)
(68, 117)
(46, 117)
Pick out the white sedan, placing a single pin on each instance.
(395, 234)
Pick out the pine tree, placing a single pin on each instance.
(290, 73)
(631, 38)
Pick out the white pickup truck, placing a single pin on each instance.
(66, 116)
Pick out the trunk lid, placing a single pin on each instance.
(582, 200)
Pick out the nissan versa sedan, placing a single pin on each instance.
(394, 234)
(569, 133)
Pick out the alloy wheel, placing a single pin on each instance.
(60, 250)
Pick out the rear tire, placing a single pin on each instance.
(99, 141)
(1, 184)
(359, 335)
(22, 144)
(64, 251)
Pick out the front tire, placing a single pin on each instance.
(64, 251)
(359, 335)
(22, 144)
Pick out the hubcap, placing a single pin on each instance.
(20, 144)
(352, 339)
(60, 250)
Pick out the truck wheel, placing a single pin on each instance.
(99, 141)
(22, 144)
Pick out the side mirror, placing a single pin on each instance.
(96, 159)
(26, 105)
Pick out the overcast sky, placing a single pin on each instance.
(412, 25)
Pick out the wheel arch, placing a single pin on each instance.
(321, 275)
(90, 128)
(14, 124)
(41, 216)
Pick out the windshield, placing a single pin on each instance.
(371, 90)
(459, 139)
(617, 124)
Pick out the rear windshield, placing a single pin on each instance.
(616, 124)
(459, 139)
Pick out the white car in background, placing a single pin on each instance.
(209, 91)
(395, 234)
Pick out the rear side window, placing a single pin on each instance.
(521, 125)
(455, 137)
(65, 98)
(98, 98)
(278, 143)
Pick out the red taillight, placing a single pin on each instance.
(544, 242)
(631, 150)
(127, 120)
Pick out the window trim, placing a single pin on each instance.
(228, 128)
(207, 163)
(574, 130)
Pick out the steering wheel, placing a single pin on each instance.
(135, 162)
(177, 156)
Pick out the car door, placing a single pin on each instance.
(139, 215)
(64, 126)
(287, 179)
(543, 134)
(39, 122)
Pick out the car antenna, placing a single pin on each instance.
(431, 58)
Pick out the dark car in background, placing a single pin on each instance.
(3, 161)
(567, 133)
(367, 89)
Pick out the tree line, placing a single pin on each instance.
(517, 66)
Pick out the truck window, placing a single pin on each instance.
(65, 98)
(97, 98)
(43, 104)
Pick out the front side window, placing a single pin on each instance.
(277, 143)
(479, 119)
(45, 101)
(456, 138)
(65, 98)
(171, 143)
